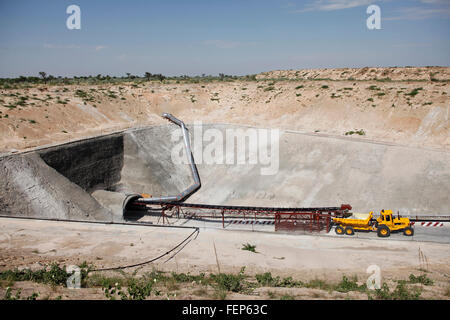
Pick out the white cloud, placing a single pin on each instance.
(289, 5)
(435, 1)
(98, 48)
(428, 9)
(331, 5)
(73, 46)
(419, 13)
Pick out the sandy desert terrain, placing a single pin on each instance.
(393, 106)
(35, 244)
(406, 106)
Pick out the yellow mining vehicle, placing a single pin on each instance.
(383, 225)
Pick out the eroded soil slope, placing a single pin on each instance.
(412, 108)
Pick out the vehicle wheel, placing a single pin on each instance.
(408, 231)
(339, 230)
(349, 231)
(383, 232)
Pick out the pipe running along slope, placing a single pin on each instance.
(187, 192)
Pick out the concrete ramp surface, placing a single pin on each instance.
(88, 179)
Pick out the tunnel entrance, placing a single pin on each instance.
(93, 164)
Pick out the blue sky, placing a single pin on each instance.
(211, 36)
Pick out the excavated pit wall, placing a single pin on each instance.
(88, 179)
(56, 182)
(92, 164)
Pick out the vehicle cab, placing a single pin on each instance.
(385, 217)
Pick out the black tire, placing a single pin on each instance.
(339, 230)
(383, 232)
(408, 231)
(349, 231)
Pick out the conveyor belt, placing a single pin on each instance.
(136, 204)
(243, 208)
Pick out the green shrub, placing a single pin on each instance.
(81, 94)
(249, 247)
(229, 282)
(98, 280)
(17, 296)
(346, 285)
(414, 92)
(182, 277)
(423, 279)
(267, 280)
(136, 290)
(139, 291)
(288, 282)
(401, 292)
(55, 276)
(318, 284)
(360, 132)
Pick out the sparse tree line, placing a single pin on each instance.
(45, 78)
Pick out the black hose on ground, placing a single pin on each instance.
(196, 231)
(151, 260)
